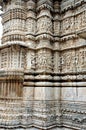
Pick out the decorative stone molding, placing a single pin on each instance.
(43, 65)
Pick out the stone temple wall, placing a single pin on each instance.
(43, 65)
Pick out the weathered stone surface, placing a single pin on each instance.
(43, 65)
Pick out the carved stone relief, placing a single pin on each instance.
(44, 60)
(42, 52)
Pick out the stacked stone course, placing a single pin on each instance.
(43, 65)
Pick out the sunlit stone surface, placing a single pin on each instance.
(43, 65)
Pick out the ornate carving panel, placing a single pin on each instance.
(44, 60)
(73, 23)
(56, 27)
(31, 26)
(4, 58)
(74, 60)
(67, 25)
(44, 25)
(30, 60)
(11, 58)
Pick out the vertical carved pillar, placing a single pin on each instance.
(12, 61)
(30, 54)
(44, 91)
(56, 59)
(44, 37)
(28, 86)
(56, 24)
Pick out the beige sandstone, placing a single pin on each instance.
(43, 65)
